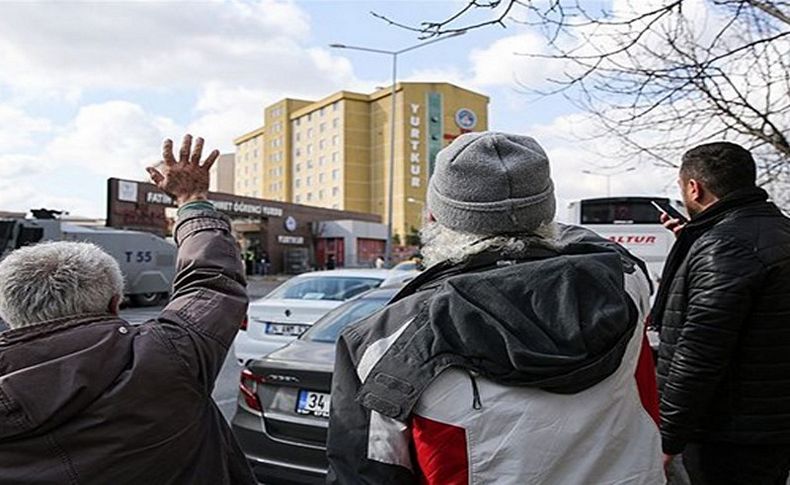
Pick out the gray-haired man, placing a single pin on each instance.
(84, 397)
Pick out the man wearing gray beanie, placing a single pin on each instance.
(518, 357)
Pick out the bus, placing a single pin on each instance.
(632, 222)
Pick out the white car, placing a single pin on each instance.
(292, 307)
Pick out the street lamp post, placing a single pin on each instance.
(609, 176)
(391, 185)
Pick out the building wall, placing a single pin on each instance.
(354, 163)
(413, 143)
(259, 225)
(249, 163)
(351, 232)
(317, 153)
(222, 174)
(335, 152)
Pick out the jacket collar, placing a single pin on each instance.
(31, 332)
(725, 206)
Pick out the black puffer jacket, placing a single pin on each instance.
(724, 359)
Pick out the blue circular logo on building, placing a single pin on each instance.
(290, 224)
(465, 118)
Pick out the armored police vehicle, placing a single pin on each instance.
(146, 260)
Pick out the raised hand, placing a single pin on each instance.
(185, 179)
(674, 225)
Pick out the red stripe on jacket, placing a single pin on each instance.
(646, 380)
(440, 450)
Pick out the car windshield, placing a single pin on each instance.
(326, 288)
(329, 327)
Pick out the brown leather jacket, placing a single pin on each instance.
(93, 400)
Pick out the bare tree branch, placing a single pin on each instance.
(661, 78)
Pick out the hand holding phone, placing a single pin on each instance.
(671, 212)
(671, 218)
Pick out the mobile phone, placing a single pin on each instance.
(667, 209)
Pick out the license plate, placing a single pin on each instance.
(313, 403)
(286, 329)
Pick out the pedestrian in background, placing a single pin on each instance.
(85, 398)
(724, 316)
(379, 263)
(519, 357)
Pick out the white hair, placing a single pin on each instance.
(57, 279)
(440, 243)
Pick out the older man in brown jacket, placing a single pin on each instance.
(85, 398)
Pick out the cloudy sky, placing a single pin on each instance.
(88, 90)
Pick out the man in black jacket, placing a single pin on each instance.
(724, 315)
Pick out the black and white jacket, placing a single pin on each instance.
(497, 369)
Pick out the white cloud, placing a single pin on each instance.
(21, 196)
(504, 63)
(16, 165)
(573, 148)
(115, 138)
(162, 44)
(17, 128)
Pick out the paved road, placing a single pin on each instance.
(227, 385)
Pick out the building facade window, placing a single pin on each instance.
(309, 196)
(309, 164)
(335, 140)
(297, 183)
(320, 178)
(321, 144)
(335, 122)
(335, 191)
(320, 195)
(321, 161)
(335, 157)
(308, 181)
(335, 105)
(309, 149)
(322, 127)
(298, 167)
(298, 199)
(309, 133)
(335, 175)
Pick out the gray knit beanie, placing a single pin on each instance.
(492, 183)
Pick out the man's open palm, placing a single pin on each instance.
(185, 179)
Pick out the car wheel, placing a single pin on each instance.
(146, 299)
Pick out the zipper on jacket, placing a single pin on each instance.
(476, 403)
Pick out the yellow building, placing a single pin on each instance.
(248, 178)
(335, 152)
